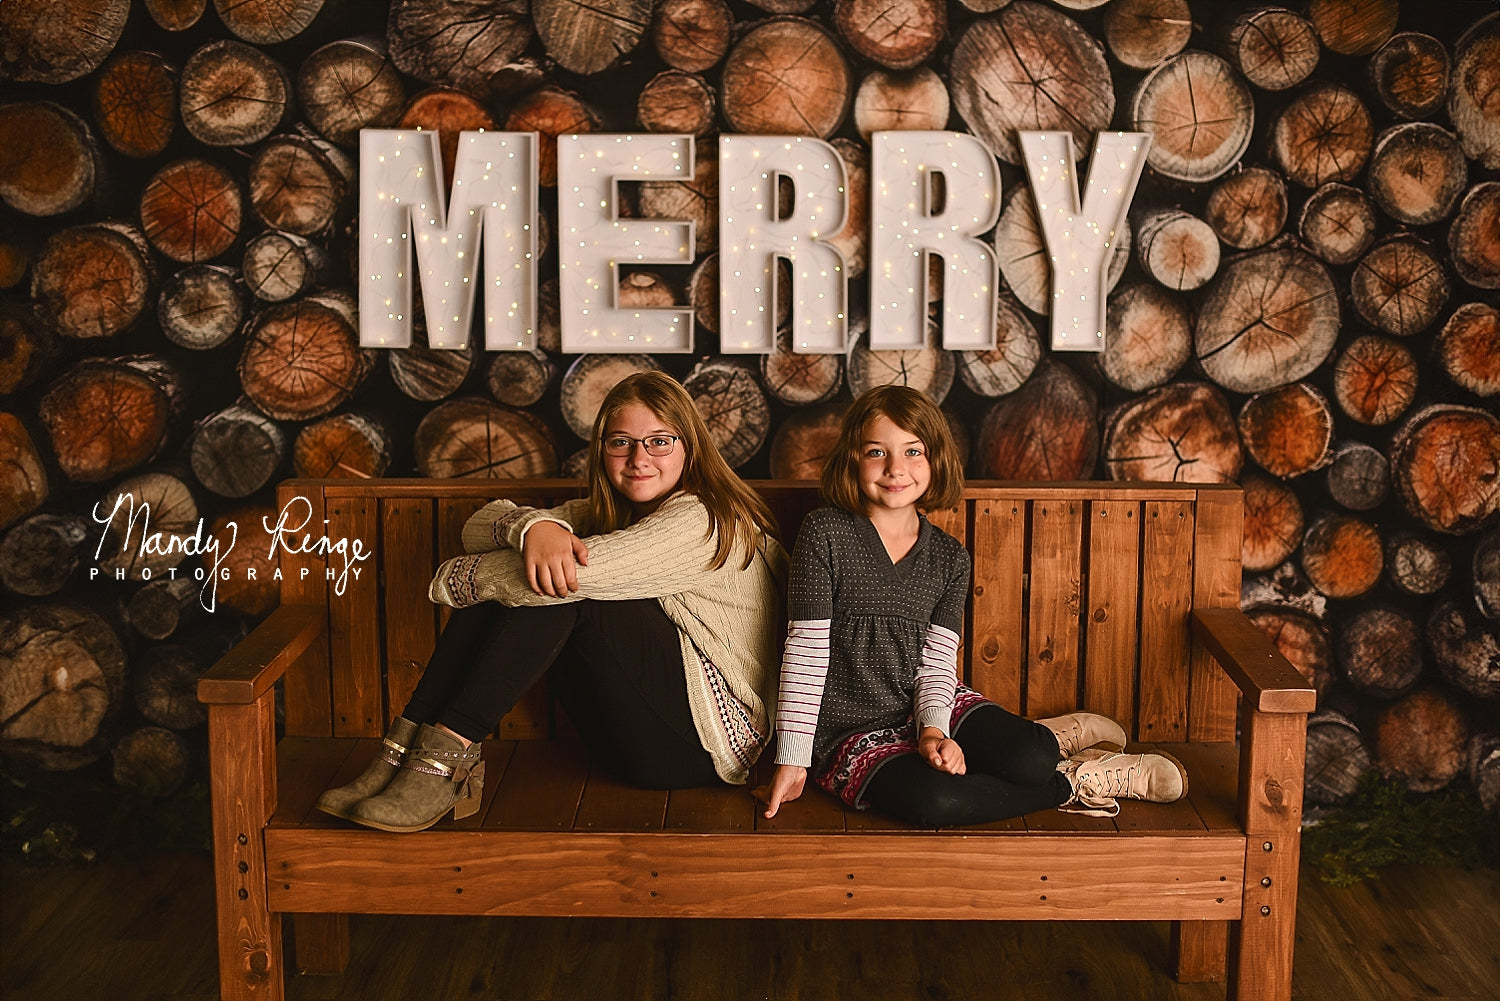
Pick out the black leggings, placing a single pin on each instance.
(616, 667)
(1011, 769)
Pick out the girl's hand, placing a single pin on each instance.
(552, 555)
(786, 785)
(942, 753)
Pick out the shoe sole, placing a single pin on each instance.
(1183, 771)
(392, 828)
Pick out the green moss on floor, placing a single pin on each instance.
(1384, 824)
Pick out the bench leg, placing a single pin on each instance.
(321, 943)
(242, 754)
(1199, 949)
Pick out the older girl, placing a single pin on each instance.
(652, 605)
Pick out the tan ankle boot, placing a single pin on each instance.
(1076, 731)
(340, 801)
(438, 774)
(1102, 778)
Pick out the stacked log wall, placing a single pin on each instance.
(1309, 306)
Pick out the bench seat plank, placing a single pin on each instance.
(541, 788)
(611, 805)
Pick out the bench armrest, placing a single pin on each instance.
(245, 673)
(1266, 678)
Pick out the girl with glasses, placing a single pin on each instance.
(651, 605)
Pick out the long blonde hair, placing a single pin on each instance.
(736, 513)
(912, 412)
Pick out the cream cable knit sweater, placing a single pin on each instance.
(729, 619)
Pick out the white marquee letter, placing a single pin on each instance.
(593, 241)
(401, 202)
(1079, 242)
(751, 237)
(904, 230)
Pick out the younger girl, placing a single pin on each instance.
(652, 605)
(869, 697)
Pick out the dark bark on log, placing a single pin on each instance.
(1410, 74)
(897, 34)
(236, 451)
(1032, 68)
(266, 22)
(691, 35)
(166, 686)
(39, 555)
(1466, 647)
(104, 417)
(54, 41)
(64, 675)
(202, 307)
(548, 315)
(468, 44)
(429, 374)
(1273, 47)
(27, 347)
(176, 15)
(173, 512)
(477, 438)
(1269, 318)
(1144, 33)
(1338, 223)
(50, 162)
(1273, 523)
(1248, 208)
(1415, 565)
(1301, 639)
(1336, 758)
(135, 103)
(1486, 567)
(15, 258)
(1375, 380)
(676, 102)
(162, 607)
(929, 369)
(1422, 740)
(732, 405)
(251, 586)
(233, 95)
(344, 446)
(1353, 27)
(1359, 478)
(1177, 249)
(302, 359)
(348, 85)
(192, 210)
(551, 112)
(22, 475)
(448, 113)
(519, 378)
(590, 37)
(1380, 651)
(786, 76)
(800, 379)
(1200, 115)
(1474, 92)
(1046, 430)
(1445, 460)
(151, 762)
(1179, 433)
(1474, 237)
(1342, 556)
(1288, 430)
(696, 200)
(1417, 173)
(1468, 348)
(913, 100)
(280, 266)
(1400, 286)
(1484, 769)
(1010, 363)
(300, 185)
(589, 379)
(1148, 337)
(1323, 135)
(804, 440)
(853, 241)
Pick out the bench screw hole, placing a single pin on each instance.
(1266, 847)
(851, 875)
(1265, 911)
(458, 889)
(849, 896)
(1223, 879)
(1218, 900)
(286, 886)
(243, 840)
(1266, 881)
(1044, 896)
(244, 867)
(458, 868)
(244, 894)
(653, 893)
(1044, 879)
(653, 874)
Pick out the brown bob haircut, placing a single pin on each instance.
(910, 411)
(737, 514)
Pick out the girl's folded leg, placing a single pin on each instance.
(908, 788)
(998, 742)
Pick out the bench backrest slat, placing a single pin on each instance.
(1080, 597)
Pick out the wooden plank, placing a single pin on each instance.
(712, 810)
(273, 649)
(305, 766)
(1110, 623)
(1199, 951)
(542, 787)
(814, 810)
(1265, 678)
(307, 692)
(996, 622)
(1051, 683)
(321, 943)
(1057, 821)
(354, 623)
(1137, 816)
(611, 805)
(1212, 698)
(1213, 782)
(407, 526)
(1166, 564)
(661, 874)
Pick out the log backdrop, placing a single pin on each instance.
(1307, 305)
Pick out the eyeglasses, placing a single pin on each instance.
(656, 444)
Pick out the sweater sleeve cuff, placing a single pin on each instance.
(794, 748)
(526, 525)
(935, 716)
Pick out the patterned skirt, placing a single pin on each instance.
(858, 756)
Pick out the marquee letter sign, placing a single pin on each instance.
(1079, 239)
(402, 202)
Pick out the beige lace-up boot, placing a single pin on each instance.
(1077, 731)
(1102, 778)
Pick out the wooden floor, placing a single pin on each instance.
(143, 929)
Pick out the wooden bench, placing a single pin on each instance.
(1118, 598)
